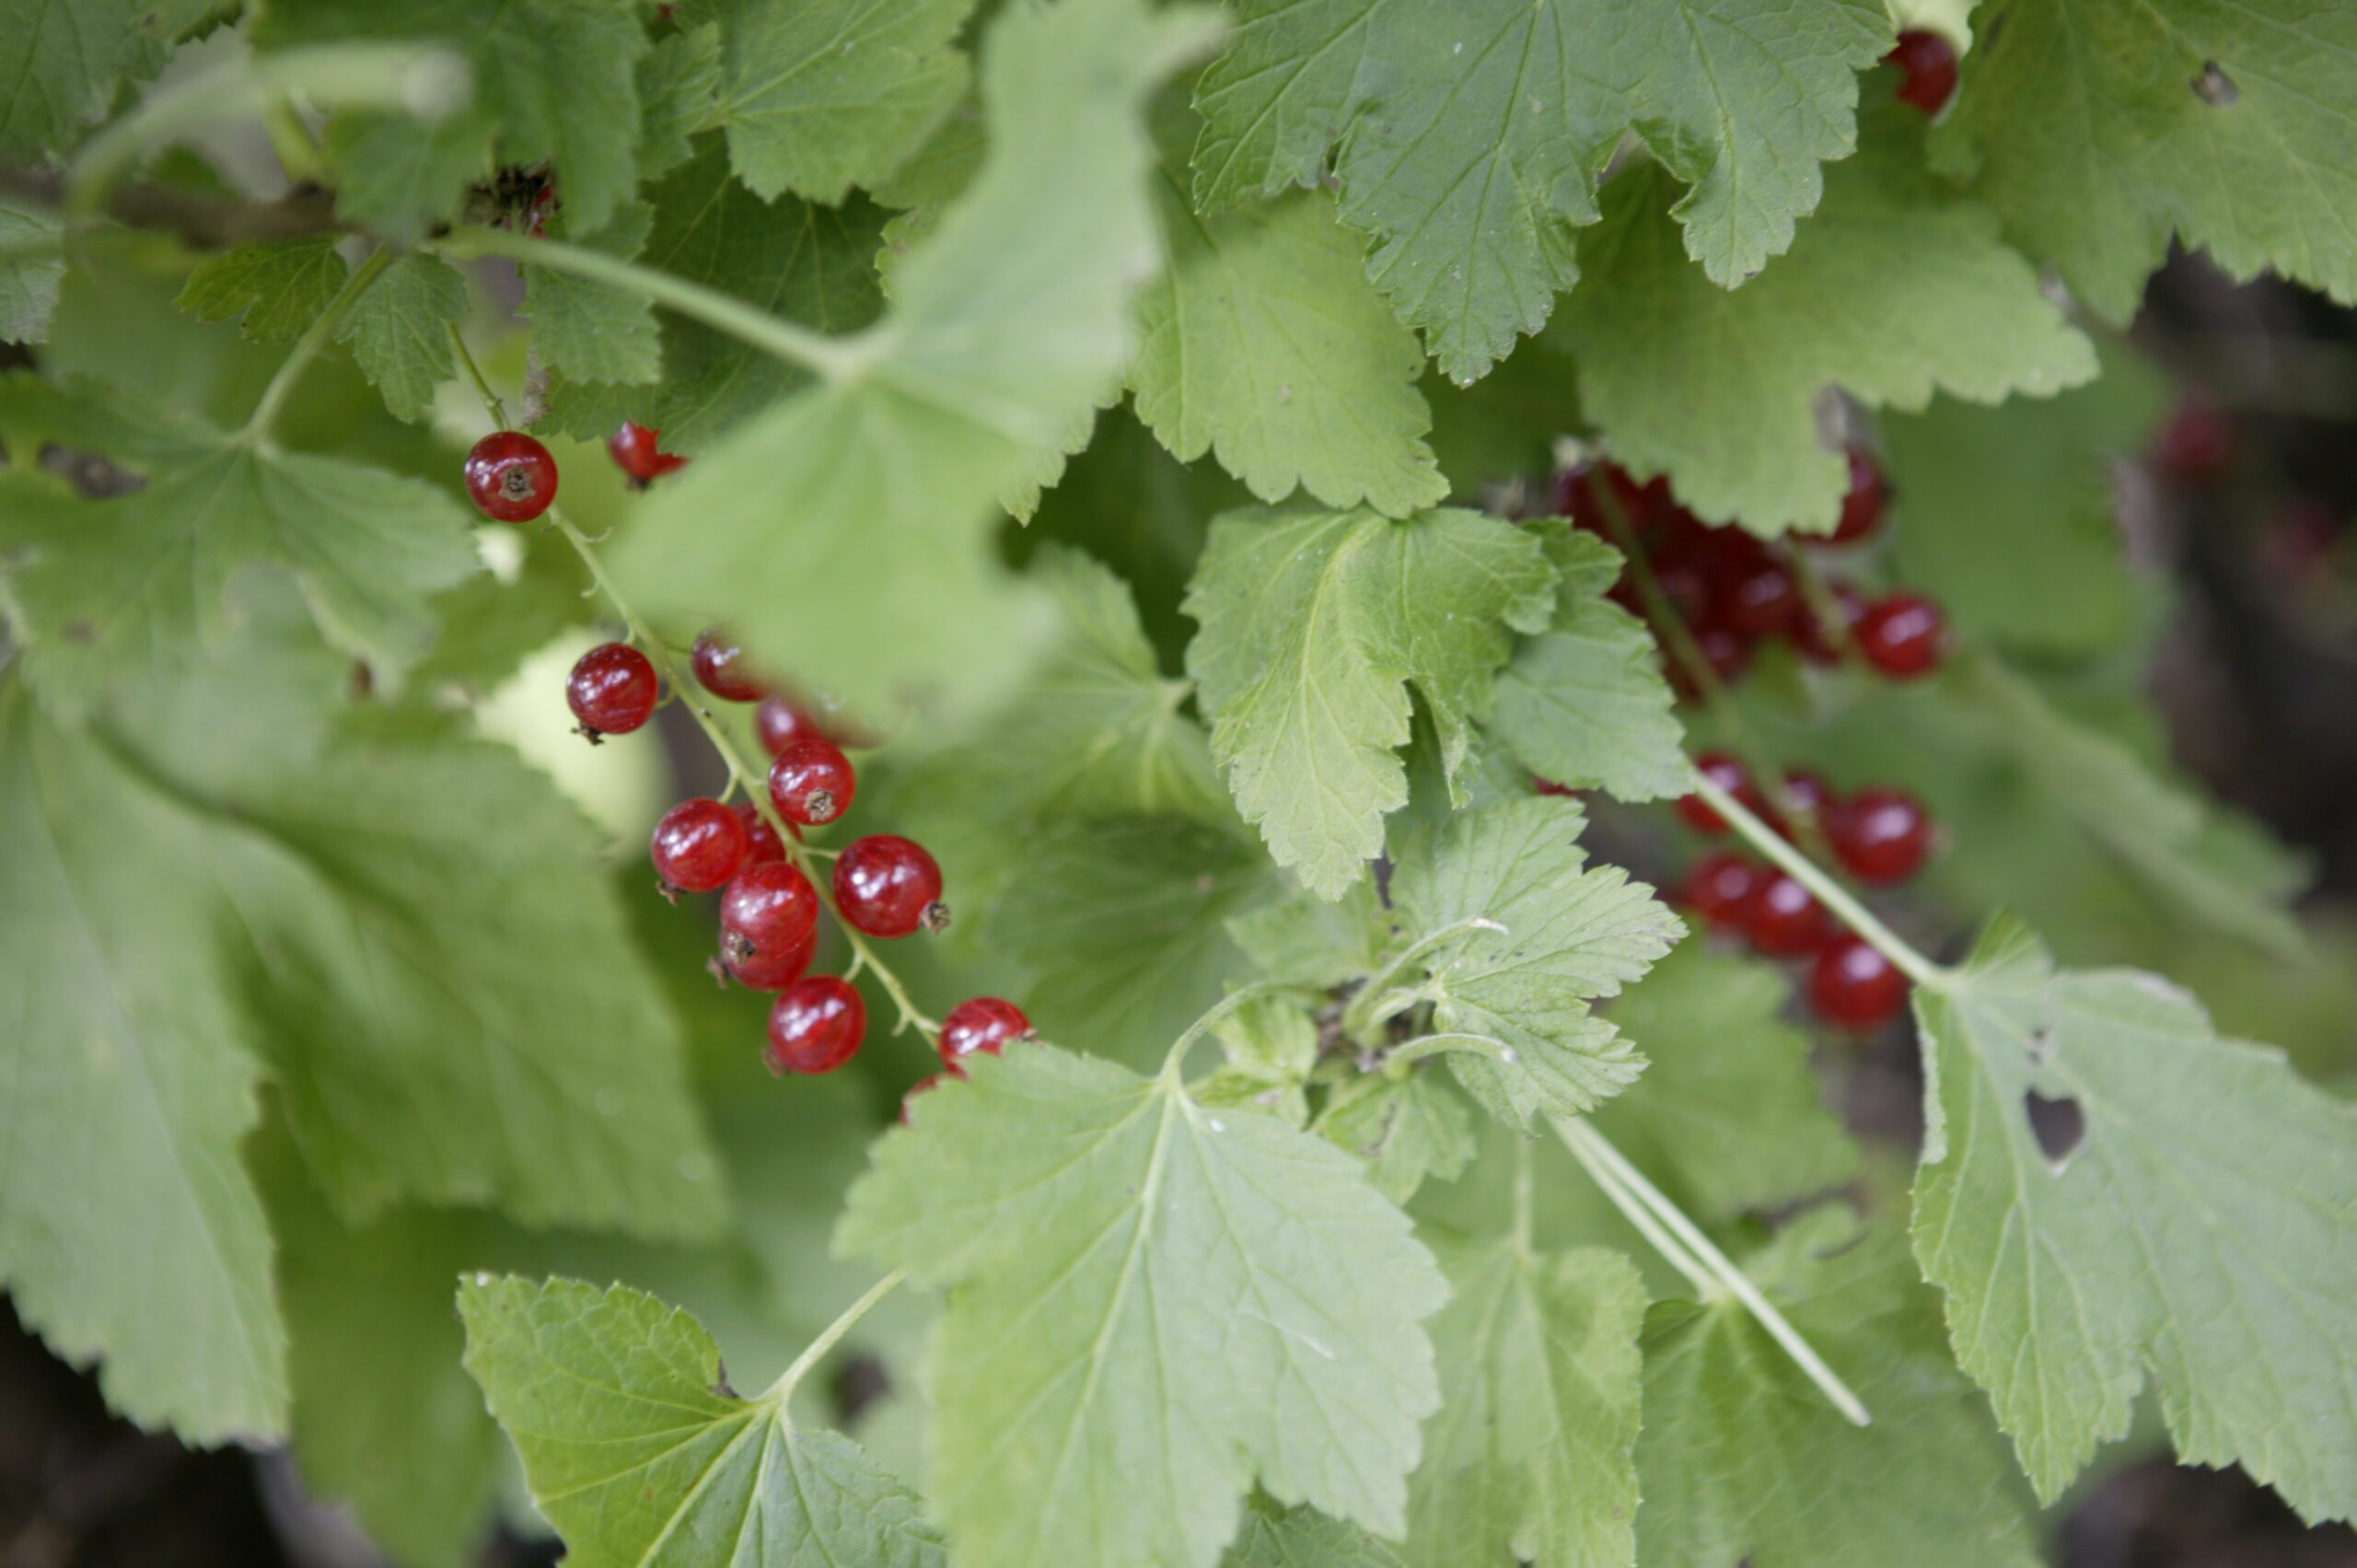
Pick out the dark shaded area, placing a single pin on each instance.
(2159, 1515)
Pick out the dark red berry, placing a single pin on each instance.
(1903, 635)
(1882, 835)
(723, 669)
(762, 842)
(511, 476)
(1851, 984)
(1581, 493)
(612, 691)
(1722, 770)
(1724, 650)
(812, 782)
(1816, 640)
(772, 969)
(815, 1026)
(1804, 795)
(982, 1023)
(1687, 589)
(1929, 63)
(1862, 509)
(1783, 919)
(769, 910)
(888, 886)
(1718, 889)
(2197, 447)
(699, 845)
(781, 721)
(636, 452)
(1760, 601)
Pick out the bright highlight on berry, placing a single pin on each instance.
(815, 1026)
(812, 783)
(699, 845)
(888, 886)
(612, 690)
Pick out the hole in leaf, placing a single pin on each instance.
(2215, 87)
(2059, 1125)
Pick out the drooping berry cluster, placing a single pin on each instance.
(1881, 836)
(1734, 591)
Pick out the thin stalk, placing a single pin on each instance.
(1357, 1017)
(1214, 1014)
(1395, 1064)
(781, 1391)
(306, 347)
(1593, 1150)
(1828, 892)
(1632, 1208)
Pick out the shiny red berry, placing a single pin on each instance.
(1781, 918)
(699, 845)
(812, 782)
(781, 721)
(1718, 888)
(815, 1026)
(1759, 601)
(1862, 509)
(768, 910)
(762, 844)
(771, 969)
(1854, 986)
(889, 886)
(1882, 835)
(982, 1023)
(723, 669)
(612, 691)
(1928, 62)
(1817, 641)
(636, 452)
(511, 476)
(1903, 635)
(2197, 447)
(1722, 768)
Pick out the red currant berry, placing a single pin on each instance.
(1903, 635)
(815, 1026)
(511, 476)
(1722, 770)
(1882, 835)
(699, 845)
(812, 782)
(983, 1023)
(781, 721)
(723, 669)
(773, 970)
(768, 910)
(1854, 986)
(2197, 447)
(1761, 601)
(1580, 492)
(888, 886)
(1929, 63)
(612, 691)
(1815, 639)
(1804, 795)
(1783, 919)
(1549, 787)
(1726, 651)
(636, 452)
(762, 842)
(1718, 888)
(1862, 509)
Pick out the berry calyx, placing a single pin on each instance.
(1851, 985)
(1881, 835)
(772, 969)
(699, 846)
(1722, 768)
(723, 669)
(980, 1024)
(1928, 64)
(889, 886)
(761, 842)
(1783, 918)
(1717, 888)
(1862, 509)
(768, 910)
(612, 691)
(636, 452)
(1903, 635)
(812, 782)
(511, 477)
(1815, 639)
(815, 1026)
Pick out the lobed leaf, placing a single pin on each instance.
(272, 290)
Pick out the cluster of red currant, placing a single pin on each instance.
(1880, 836)
(1927, 67)
(1732, 590)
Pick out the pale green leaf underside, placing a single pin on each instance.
(1151, 1304)
(2204, 1233)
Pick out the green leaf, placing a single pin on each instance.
(1744, 1459)
(2203, 1227)
(1406, 1129)
(28, 280)
(554, 81)
(1585, 704)
(272, 291)
(102, 589)
(398, 331)
(69, 57)
(2099, 128)
(640, 1454)
(811, 264)
(1728, 1117)
(1271, 1044)
(815, 524)
(593, 332)
(1570, 934)
(1302, 1538)
(1313, 626)
(679, 95)
(1471, 136)
(1154, 1304)
(1532, 1453)
(1264, 345)
(1893, 290)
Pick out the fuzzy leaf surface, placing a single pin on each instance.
(68, 58)
(1406, 1129)
(273, 290)
(399, 332)
(593, 332)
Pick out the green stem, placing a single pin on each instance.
(298, 150)
(1360, 1017)
(306, 347)
(1412, 1052)
(1218, 1010)
(828, 356)
(1828, 892)
(1593, 1150)
(1633, 1210)
(1818, 594)
(781, 1391)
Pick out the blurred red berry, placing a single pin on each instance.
(1724, 771)
(1718, 889)
(1928, 66)
(635, 451)
(1816, 640)
(1862, 509)
(1851, 985)
(1783, 918)
(1903, 635)
(1881, 835)
(2197, 447)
